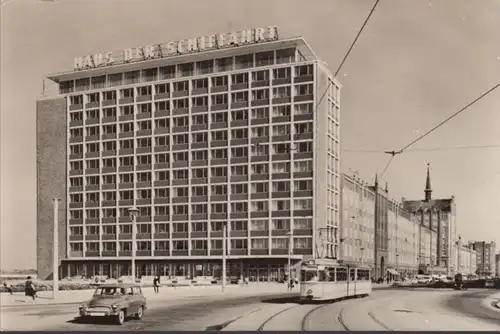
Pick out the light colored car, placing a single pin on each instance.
(489, 283)
(117, 301)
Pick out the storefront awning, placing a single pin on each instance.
(393, 271)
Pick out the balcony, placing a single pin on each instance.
(92, 253)
(162, 252)
(260, 251)
(108, 237)
(108, 253)
(180, 252)
(199, 252)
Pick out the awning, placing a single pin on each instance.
(393, 271)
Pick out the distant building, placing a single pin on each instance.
(438, 232)
(497, 265)
(486, 257)
(466, 258)
(376, 231)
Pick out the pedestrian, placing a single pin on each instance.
(8, 288)
(29, 288)
(291, 284)
(156, 284)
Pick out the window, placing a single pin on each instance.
(260, 113)
(281, 224)
(161, 228)
(279, 243)
(303, 70)
(180, 244)
(240, 225)
(281, 186)
(281, 167)
(199, 244)
(302, 243)
(180, 227)
(219, 208)
(301, 90)
(303, 185)
(199, 191)
(280, 205)
(239, 243)
(260, 94)
(259, 206)
(199, 227)
(224, 64)
(162, 123)
(219, 81)
(239, 207)
(76, 247)
(259, 244)
(76, 230)
(259, 225)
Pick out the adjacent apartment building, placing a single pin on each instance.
(239, 128)
(486, 257)
(377, 231)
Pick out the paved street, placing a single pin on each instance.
(258, 308)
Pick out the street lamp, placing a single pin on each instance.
(224, 240)
(133, 217)
(290, 240)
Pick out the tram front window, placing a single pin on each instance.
(309, 276)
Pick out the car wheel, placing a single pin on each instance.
(140, 313)
(120, 318)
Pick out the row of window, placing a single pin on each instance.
(179, 71)
(185, 157)
(180, 101)
(298, 129)
(162, 111)
(203, 190)
(200, 244)
(215, 207)
(238, 225)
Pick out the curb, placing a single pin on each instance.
(497, 304)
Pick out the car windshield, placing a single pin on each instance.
(109, 291)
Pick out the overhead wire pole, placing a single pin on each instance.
(394, 153)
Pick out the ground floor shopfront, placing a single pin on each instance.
(256, 270)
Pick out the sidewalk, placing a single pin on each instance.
(492, 302)
(170, 293)
(78, 296)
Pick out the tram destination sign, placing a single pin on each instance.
(185, 46)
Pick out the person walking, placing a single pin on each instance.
(8, 288)
(156, 284)
(29, 288)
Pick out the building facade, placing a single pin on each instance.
(438, 235)
(241, 128)
(497, 261)
(486, 257)
(403, 240)
(376, 231)
(357, 222)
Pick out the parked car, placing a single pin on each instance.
(117, 301)
(489, 283)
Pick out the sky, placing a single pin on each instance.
(416, 63)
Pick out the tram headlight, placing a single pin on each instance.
(309, 292)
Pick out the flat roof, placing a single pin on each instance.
(297, 42)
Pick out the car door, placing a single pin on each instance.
(130, 298)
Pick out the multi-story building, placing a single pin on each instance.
(403, 240)
(497, 265)
(377, 232)
(485, 254)
(437, 217)
(239, 128)
(466, 258)
(357, 222)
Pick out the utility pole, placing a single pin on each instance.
(224, 240)
(55, 251)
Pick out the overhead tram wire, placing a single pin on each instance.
(347, 54)
(449, 148)
(394, 153)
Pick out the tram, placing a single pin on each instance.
(326, 279)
